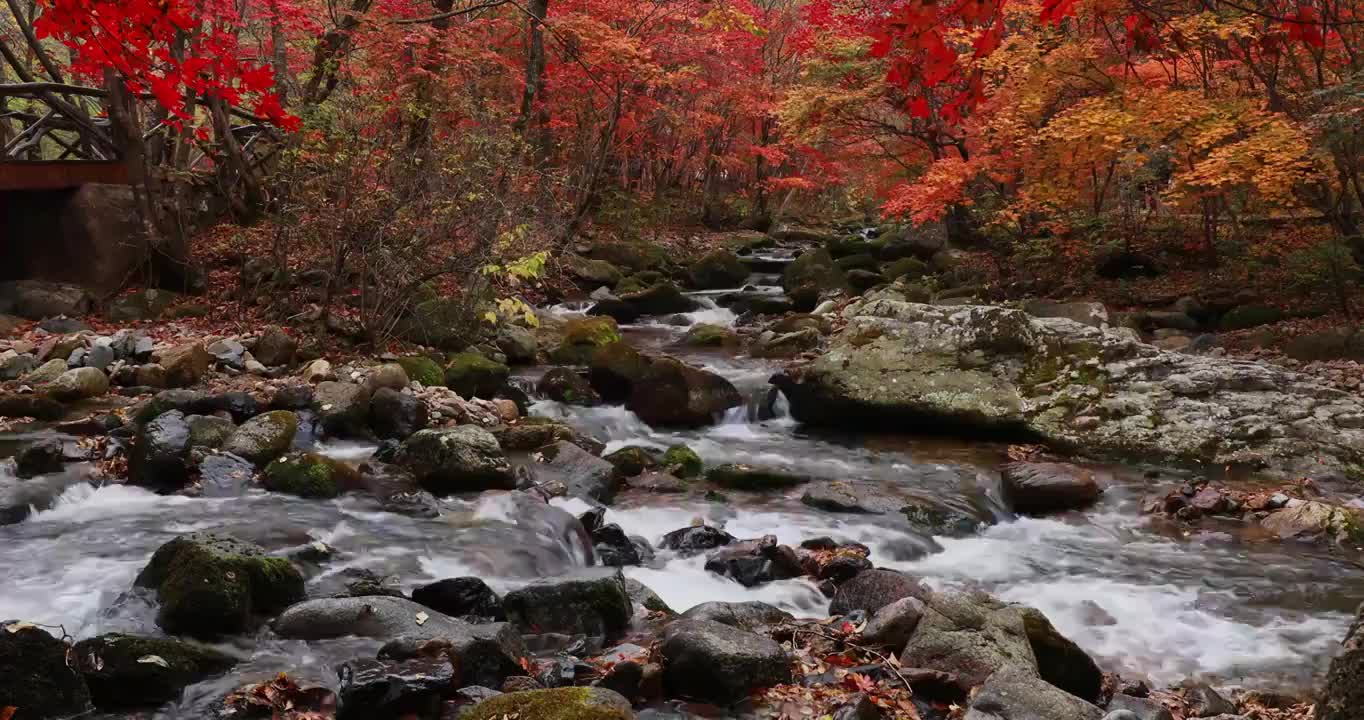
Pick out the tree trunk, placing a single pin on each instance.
(534, 120)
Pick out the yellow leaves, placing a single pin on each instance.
(729, 18)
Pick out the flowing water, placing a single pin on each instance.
(1145, 600)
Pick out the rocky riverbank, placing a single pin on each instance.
(240, 447)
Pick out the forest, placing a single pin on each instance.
(674, 359)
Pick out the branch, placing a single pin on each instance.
(447, 15)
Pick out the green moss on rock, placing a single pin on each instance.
(908, 268)
(309, 475)
(749, 477)
(707, 335)
(684, 461)
(584, 335)
(423, 370)
(632, 460)
(125, 671)
(472, 375)
(568, 703)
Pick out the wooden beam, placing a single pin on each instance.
(61, 174)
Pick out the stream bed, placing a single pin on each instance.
(1146, 600)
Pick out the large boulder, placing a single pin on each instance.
(754, 562)
(872, 590)
(472, 375)
(708, 661)
(41, 406)
(1059, 660)
(565, 385)
(589, 273)
(36, 674)
(993, 370)
(662, 298)
(309, 475)
(596, 606)
(264, 437)
(1342, 695)
(566, 703)
(674, 394)
(78, 384)
(460, 459)
(459, 597)
(414, 687)
(37, 299)
(752, 616)
(1037, 488)
(275, 347)
(814, 269)
(422, 369)
(716, 269)
(129, 671)
(567, 468)
(209, 584)
(615, 370)
(753, 477)
(518, 344)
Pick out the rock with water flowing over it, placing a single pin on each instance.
(1012, 694)
(845, 497)
(567, 703)
(874, 589)
(632, 460)
(1038, 488)
(264, 437)
(128, 671)
(994, 370)
(661, 390)
(711, 662)
(1342, 696)
(754, 562)
(752, 477)
(696, 539)
(565, 468)
(210, 584)
(35, 675)
(752, 616)
(460, 459)
(594, 606)
(394, 414)
(459, 597)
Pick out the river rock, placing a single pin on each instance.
(47, 372)
(582, 337)
(1012, 694)
(210, 584)
(128, 671)
(460, 459)
(985, 369)
(752, 616)
(394, 414)
(872, 590)
(398, 491)
(1314, 520)
(530, 433)
(40, 458)
(518, 344)
(1140, 708)
(374, 616)
(661, 298)
(160, 454)
(309, 475)
(185, 364)
(674, 394)
(707, 661)
(1059, 660)
(566, 703)
(708, 335)
(1083, 312)
(615, 369)
(970, 636)
(750, 477)
(1342, 695)
(227, 351)
(35, 405)
(1037, 488)
(343, 408)
(591, 274)
(1204, 702)
(717, 269)
(188, 402)
(459, 597)
(35, 675)
(814, 270)
(38, 299)
(78, 384)
(224, 475)
(696, 539)
(264, 437)
(844, 497)
(275, 347)
(394, 689)
(391, 376)
(14, 365)
(593, 606)
(578, 473)
(472, 375)
(893, 624)
(632, 460)
(754, 562)
(566, 386)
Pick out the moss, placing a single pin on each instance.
(1249, 316)
(683, 460)
(117, 678)
(584, 335)
(472, 375)
(639, 282)
(307, 475)
(908, 268)
(632, 460)
(422, 369)
(707, 335)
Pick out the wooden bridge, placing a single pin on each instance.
(55, 136)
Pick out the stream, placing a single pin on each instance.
(1146, 600)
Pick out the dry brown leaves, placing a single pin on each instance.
(826, 649)
(282, 699)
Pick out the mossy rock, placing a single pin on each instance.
(849, 245)
(908, 268)
(814, 269)
(749, 477)
(128, 671)
(35, 674)
(632, 460)
(209, 431)
(211, 585)
(422, 369)
(860, 261)
(683, 461)
(309, 475)
(707, 335)
(1249, 316)
(582, 336)
(446, 323)
(264, 437)
(634, 256)
(567, 703)
(615, 369)
(587, 271)
(717, 269)
(639, 282)
(472, 375)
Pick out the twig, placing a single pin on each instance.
(862, 648)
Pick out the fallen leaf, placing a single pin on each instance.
(422, 618)
(7, 712)
(154, 660)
